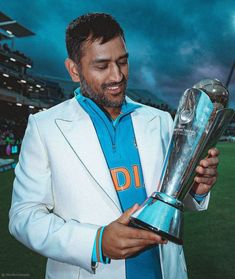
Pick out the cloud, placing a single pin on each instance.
(172, 44)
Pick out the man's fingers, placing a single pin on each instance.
(135, 242)
(212, 159)
(213, 152)
(120, 241)
(209, 162)
(206, 171)
(127, 232)
(134, 246)
(205, 180)
(133, 233)
(125, 217)
(205, 188)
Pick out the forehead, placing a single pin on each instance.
(110, 50)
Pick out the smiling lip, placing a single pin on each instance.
(115, 89)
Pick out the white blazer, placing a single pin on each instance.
(63, 191)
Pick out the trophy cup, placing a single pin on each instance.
(200, 120)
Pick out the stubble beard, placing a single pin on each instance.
(99, 97)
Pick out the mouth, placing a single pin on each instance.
(115, 89)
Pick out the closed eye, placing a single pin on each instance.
(123, 61)
(101, 66)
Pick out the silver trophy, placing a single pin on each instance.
(200, 120)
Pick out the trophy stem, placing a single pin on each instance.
(161, 214)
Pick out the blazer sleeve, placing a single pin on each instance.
(32, 220)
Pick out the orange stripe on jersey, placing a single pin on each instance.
(136, 176)
(127, 176)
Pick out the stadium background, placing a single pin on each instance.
(24, 89)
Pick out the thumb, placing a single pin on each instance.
(125, 217)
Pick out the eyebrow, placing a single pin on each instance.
(103, 60)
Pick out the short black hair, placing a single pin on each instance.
(90, 27)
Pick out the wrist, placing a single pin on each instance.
(198, 197)
(97, 254)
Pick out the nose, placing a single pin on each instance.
(115, 73)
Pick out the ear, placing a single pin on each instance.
(72, 69)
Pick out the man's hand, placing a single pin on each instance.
(206, 173)
(121, 241)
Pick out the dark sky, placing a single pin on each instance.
(172, 44)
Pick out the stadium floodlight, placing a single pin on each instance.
(5, 75)
(38, 86)
(14, 28)
(9, 87)
(23, 81)
(12, 59)
(19, 104)
(32, 107)
(9, 32)
(28, 66)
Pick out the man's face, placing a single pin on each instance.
(103, 72)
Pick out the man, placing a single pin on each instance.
(87, 163)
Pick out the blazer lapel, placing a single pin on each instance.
(147, 132)
(79, 132)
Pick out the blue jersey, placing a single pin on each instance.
(117, 139)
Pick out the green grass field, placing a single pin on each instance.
(208, 238)
(209, 235)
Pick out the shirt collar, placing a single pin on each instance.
(127, 106)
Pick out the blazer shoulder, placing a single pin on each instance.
(151, 111)
(145, 109)
(65, 110)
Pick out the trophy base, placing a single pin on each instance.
(161, 214)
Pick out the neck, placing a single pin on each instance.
(113, 112)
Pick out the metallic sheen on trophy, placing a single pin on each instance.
(200, 120)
